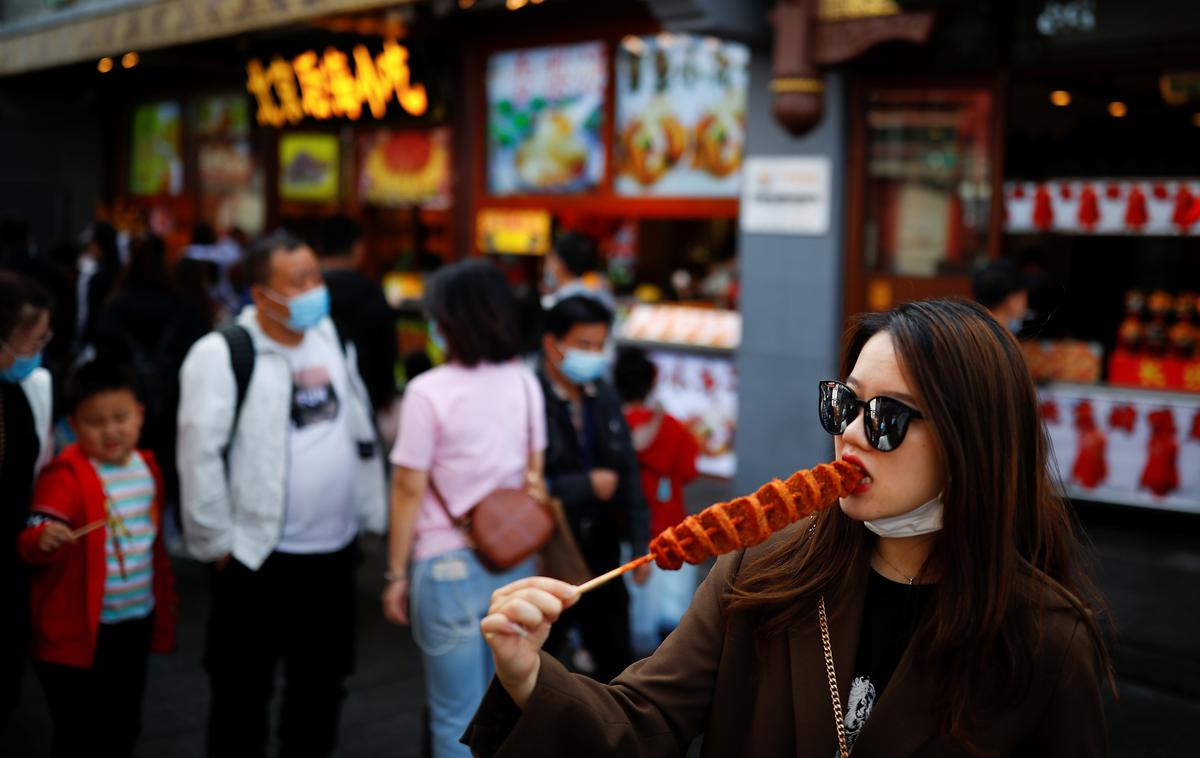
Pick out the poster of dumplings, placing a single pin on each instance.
(681, 116)
(545, 119)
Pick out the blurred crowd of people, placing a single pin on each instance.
(236, 399)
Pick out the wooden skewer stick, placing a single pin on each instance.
(592, 584)
(87, 529)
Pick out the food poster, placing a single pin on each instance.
(405, 168)
(222, 116)
(231, 186)
(308, 167)
(681, 116)
(701, 391)
(1125, 446)
(545, 119)
(156, 161)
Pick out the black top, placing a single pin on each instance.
(363, 316)
(20, 453)
(891, 613)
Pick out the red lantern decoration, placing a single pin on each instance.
(1113, 191)
(1049, 411)
(1018, 192)
(1064, 191)
(1160, 191)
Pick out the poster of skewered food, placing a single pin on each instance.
(545, 118)
(681, 116)
(405, 167)
(308, 167)
(156, 160)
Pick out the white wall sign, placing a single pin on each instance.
(786, 195)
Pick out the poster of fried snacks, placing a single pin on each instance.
(308, 167)
(156, 162)
(681, 116)
(405, 167)
(545, 119)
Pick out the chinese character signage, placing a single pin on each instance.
(308, 167)
(545, 116)
(328, 86)
(681, 116)
(409, 167)
(156, 163)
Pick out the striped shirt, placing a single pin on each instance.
(128, 540)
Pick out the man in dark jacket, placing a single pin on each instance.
(359, 309)
(592, 467)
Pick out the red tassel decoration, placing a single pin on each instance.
(1135, 212)
(1043, 212)
(1181, 217)
(1089, 209)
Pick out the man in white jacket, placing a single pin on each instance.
(273, 492)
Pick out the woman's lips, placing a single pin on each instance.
(866, 482)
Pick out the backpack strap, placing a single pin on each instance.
(241, 360)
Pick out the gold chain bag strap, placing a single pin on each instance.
(507, 525)
(831, 674)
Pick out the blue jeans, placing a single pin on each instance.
(449, 597)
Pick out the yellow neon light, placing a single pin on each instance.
(326, 86)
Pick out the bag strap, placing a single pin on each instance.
(241, 360)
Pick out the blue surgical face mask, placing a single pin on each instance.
(583, 366)
(21, 368)
(306, 309)
(436, 338)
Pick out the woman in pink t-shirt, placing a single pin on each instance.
(470, 426)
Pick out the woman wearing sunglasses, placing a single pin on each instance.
(939, 611)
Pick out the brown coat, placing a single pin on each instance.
(711, 677)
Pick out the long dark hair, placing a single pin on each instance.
(1007, 550)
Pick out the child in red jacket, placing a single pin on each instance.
(666, 453)
(102, 591)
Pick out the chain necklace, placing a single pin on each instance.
(911, 579)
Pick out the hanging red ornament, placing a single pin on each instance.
(1113, 191)
(1043, 212)
(1089, 208)
(1064, 191)
(1160, 191)
(1018, 192)
(1183, 207)
(1049, 411)
(1161, 473)
(1122, 417)
(1090, 467)
(1135, 211)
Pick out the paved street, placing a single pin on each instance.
(1149, 567)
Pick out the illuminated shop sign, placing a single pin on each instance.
(327, 86)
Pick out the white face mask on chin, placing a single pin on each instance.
(924, 519)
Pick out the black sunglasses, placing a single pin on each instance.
(886, 421)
